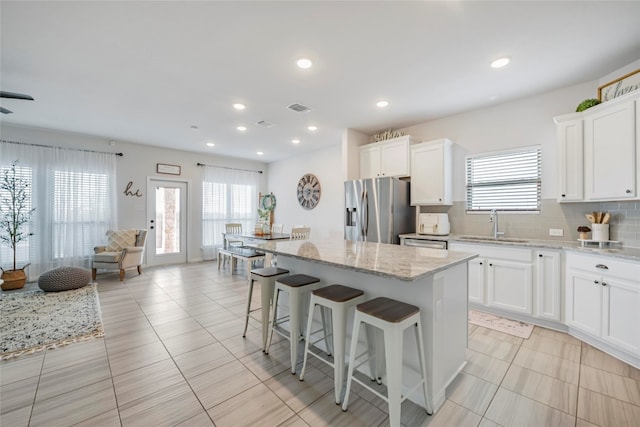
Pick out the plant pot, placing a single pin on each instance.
(13, 279)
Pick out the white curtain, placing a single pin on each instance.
(228, 196)
(74, 194)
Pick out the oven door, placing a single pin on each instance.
(423, 243)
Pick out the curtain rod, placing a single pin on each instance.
(62, 148)
(226, 167)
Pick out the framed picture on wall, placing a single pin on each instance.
(623, 85)
(168, 169)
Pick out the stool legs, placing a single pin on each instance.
(352, 358)
(339, 325)
(393, 355)
(423, 367)
(266, 293)
(246, 318)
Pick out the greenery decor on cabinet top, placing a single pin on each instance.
(586, 104)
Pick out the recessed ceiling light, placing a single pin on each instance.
(241, 128)
(304, 63)
(210, 144)
(259, 153)
(312, 128)
(295, 141)
(239, 106)
(382, 104)
(500, 62)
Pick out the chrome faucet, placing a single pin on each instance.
(494, 219)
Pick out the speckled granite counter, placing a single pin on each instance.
(632, 254)
(380, 259)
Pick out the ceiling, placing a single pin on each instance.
(146, 72)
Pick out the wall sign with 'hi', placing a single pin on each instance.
(129, 192)
(168, 169)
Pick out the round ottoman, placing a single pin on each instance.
(64, 279)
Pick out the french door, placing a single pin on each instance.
(167, 213)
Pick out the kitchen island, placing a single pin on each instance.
(432, 279)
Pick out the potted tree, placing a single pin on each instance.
(15, 213)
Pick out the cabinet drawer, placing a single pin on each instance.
(510, 253)
(604, 266)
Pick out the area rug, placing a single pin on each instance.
(36, 320)
(508, 326)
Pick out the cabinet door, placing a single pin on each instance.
(621, 302)
(477, 281)
(429, 178)
(584, 301)
(570, 160)
(610, 156)
(369, 161)
(395, 158)
(548, 284)
(509, 285)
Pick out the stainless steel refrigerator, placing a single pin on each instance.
(378, 210)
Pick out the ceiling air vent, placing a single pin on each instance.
(299, 108)
(265, 124)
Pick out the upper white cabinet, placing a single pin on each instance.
(570, 158)
(599, 152)
(610, 152)
(386, 158)
(431, 174)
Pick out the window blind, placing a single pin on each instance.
(508, 181)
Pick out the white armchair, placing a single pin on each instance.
(124, 250)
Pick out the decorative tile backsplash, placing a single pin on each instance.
(624, 223)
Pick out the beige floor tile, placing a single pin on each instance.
(605, 411)
(217, 385)
(17, 395)
(76, 406)
(479, 330)
(471, 392)
(137, 357)
(72, 354)
(612, 385)
(211, 318)
(547, 364)
(241, 347)
(20, 368)
(541, 388)
(176, 328)
(485, 367)
(64, 380)
(595, 358)
(493, 346)
(556, 335)
(265, 366)
(583, 423)
(488, 423)
(200, 420)
(17, 417)
(325, 412)
(512, 409)
(128, 341)
(188, 341)
(223, 330)
(108, 419)
(298, 394)
(167, 317)
(450, 415)
(256, 406)
(294, 421)
(146, 380)
(203, 359)
(553, 347)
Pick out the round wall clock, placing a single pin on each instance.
(308, 192)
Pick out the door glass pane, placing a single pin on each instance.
(167, 220)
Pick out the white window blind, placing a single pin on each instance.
(507, 181)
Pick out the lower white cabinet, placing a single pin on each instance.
(476, 272)
(548, 284)
(603, 300)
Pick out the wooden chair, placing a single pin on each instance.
(230, 228)
(300, 233)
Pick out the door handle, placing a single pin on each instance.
(602, 267)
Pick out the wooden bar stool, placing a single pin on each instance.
(267, 278)
(339, 299)
(392, 317)
(297, 285)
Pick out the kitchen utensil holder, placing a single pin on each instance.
(600, 232)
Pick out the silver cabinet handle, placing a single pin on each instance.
(602, 267)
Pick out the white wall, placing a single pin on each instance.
(326, 219)
(138, 163)
(505, 126)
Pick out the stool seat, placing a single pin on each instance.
(297, 280)
(388, 309)
(338, 293)
(268, 271)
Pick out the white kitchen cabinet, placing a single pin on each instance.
(386, 158)
(431, 173)
(570, 158)
(610, 152)
(603, 300)
(548, 287)
(476, 272)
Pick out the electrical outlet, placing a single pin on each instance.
(559, 232)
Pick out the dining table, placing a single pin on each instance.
(253, 238)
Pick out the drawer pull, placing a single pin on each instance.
(596, 282)
(604, 284)
(602, 267)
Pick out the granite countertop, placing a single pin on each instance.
(380, 259)
(632, 254)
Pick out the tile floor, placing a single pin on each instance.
(173, 355)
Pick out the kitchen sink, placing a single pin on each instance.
(491, 239)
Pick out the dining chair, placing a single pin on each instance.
(276, 228)
(231, 228)
(300, 233)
